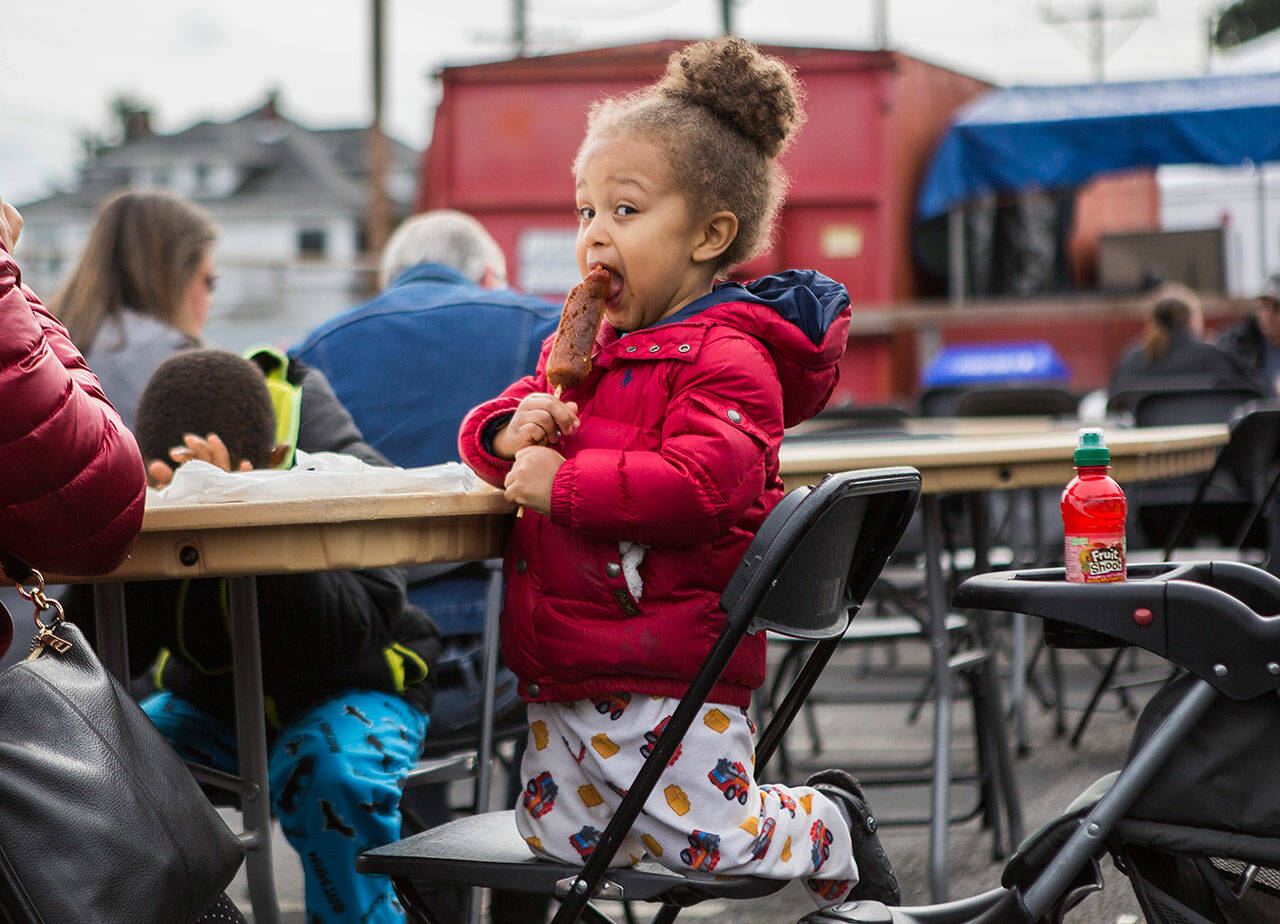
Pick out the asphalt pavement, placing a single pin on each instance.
(1049, 774)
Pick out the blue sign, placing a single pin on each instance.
(974, 363)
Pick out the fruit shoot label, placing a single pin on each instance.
(1095, 559)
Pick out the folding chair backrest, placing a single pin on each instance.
(1249, 460)
(1011, 400)
(940, 400)
(1253, 451)
(1135, 387)
(816, 556)
(863, 417)
(1189, 405)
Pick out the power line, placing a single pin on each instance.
(633, 10)
(1097, 14)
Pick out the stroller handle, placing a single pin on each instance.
(1214, 619)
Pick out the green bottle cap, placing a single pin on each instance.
(1091, 448)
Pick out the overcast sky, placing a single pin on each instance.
(62, 61)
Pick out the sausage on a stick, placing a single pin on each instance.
(570, 358)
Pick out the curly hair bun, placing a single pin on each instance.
(755, 93)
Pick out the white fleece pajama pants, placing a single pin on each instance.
(706, 813)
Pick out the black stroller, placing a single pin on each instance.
(1193, 818)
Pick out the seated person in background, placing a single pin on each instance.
(141, 289)
(1174, 355)
(404, 366)
(1255, 342)
(345, 658)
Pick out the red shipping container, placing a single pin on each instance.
(506, 133)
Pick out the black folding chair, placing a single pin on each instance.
(998, 400)
(1179, 403)
(805, 575)
(1012, 400)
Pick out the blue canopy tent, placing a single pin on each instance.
(1019, 138)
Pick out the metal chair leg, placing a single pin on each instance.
(1098, 691)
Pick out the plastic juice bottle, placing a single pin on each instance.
(1093, 515)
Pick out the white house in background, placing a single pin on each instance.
(290, 203)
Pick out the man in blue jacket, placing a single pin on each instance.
(444, 334)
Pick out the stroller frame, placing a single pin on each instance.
(1205, 617)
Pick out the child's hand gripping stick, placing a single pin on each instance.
(580, 320)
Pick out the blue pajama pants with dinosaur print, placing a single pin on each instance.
(707, 812)
(336, 774)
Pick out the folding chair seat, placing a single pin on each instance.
(805, 574)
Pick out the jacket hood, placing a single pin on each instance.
(802, 318)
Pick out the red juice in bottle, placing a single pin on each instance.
(1093, 515)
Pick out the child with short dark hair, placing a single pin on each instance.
(644, 484)
(208, 391)
(344, 657)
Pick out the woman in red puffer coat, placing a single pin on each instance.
(72, 484)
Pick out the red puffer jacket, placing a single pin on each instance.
(72, 484)
(677, 450)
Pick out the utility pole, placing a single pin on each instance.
(1210, 23)
(520, 27)
(378, 219)
(1097, 15)
(880, 24)
(726, 16)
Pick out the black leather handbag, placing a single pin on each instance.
(100, 821)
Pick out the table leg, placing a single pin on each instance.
(484, 755)
(493, 611)
(251, 739)
(113, 636)
(1001, 784)
(1020, 668)
(1018, 682)
(943, 695)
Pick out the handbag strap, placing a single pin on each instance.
(15, 568)
(22, 574)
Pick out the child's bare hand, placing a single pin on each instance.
(540, 420)
(209, 449)
(529, 481)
